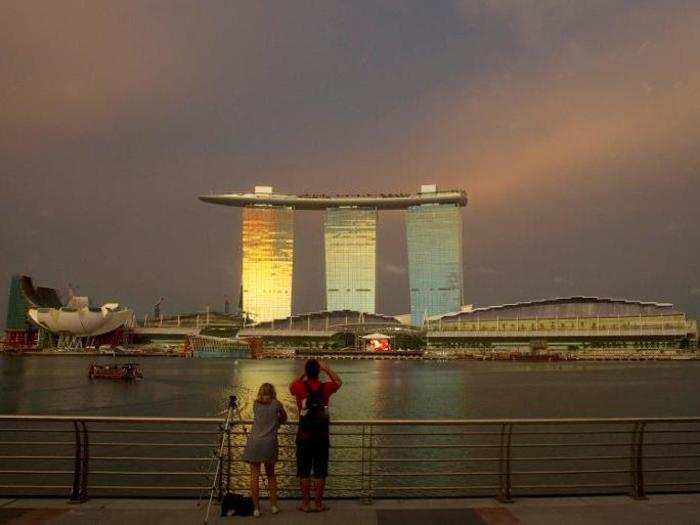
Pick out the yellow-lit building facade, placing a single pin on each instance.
(576, 322)
(268, 261)
(350, 239)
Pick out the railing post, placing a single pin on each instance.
(75, 492)
(369, 470)
(220, 472)
(363, 491)
(84, 464)
(79, 491)
(504, 481)
(633, 460)
(637, 461)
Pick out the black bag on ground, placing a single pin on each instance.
(236, 505)
(314, 422)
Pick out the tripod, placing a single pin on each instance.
(232, 406)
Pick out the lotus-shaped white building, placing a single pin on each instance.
(80, 320)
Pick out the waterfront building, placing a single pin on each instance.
(268, 260)
(20, 331)
(350, 248)
(434, 239)
(38, 318)
(569, 323)
(17, 306)
(331, 330)
(350, 238)
(79, 323)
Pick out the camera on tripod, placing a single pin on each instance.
(233, 402)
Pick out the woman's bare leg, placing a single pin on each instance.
(255, 484)
(271, 483)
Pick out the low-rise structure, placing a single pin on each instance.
(566, 323)
(331, 329)
(37, 318)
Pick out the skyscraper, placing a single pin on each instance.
(268, 254)
(350, 237)
(434, 238)
(434, 231)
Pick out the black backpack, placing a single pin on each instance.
(314, 422)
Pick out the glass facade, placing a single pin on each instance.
(350, 236)
(17, 306)
(268, 258)
(434, 238)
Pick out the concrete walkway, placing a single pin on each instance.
(677, 509)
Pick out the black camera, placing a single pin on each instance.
(233, 402)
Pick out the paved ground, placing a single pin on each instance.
(676, 509)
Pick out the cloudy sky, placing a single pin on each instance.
(574, 127)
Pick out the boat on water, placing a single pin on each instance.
(127, 371)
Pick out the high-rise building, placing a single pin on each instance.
(434, 234)
(434, 238)
(17, 306)
(268, 255)
(350, 237)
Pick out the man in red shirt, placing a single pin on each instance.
(313, 436)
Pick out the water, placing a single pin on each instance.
(372, 389)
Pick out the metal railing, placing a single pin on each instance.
(455, 330)
(79, 457)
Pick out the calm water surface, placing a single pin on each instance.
(371, 389)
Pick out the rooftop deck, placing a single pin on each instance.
(384, 201)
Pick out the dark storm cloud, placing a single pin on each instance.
(573, 126)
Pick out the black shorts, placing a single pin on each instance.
(312, 458)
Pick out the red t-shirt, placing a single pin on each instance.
(298, 390)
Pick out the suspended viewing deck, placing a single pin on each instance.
(384, 201)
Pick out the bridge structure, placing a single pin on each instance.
(210, 327)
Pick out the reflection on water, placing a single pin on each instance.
(371, 390)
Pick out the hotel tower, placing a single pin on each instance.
(434, 239)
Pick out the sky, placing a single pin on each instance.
(573, 126)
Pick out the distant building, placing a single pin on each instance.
(404, 318)
(80, 320)
(20, 331)
(332, 329)
(37, 317)
(351, 259)
(268, 259)
(434, 239)
(17, 306)
(434, 229)
(566, 323)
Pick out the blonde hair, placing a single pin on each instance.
(266, 393)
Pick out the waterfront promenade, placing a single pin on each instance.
(679, 509)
